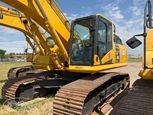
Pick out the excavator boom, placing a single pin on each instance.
(16, 20)
(53, 21)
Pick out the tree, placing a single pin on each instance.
(10, 55)
(2, 53)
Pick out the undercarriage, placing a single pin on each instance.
(79, 94)
(86, 95)
(18, 71)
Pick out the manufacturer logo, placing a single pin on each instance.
(123, 52)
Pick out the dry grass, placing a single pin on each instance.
(41, 108)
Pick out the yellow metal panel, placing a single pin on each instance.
(149, 58)
(149, 40)
(123, 53)
(111, 55)
(96, 60)
(149, 50)
(107, 57)
(15, 23)
(43, 62)
(94, 69)
(146, 74)
(43, 67)
(42, 59)
(113, 52)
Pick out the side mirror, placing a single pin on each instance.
(26, 50)
(133, 42)
(1, 16)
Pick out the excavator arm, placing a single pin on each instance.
(18, 21)
(15, 20)
(54, 22)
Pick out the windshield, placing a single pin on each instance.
(82, 41)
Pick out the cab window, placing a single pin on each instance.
(101, 39)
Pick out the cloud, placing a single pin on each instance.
(6, 31)
(3, 38)
(136, 11)
(12, 40)
(15, 46)
(71, 17)
(113, 11)
(139, 2)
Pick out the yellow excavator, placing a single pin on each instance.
(139, 99)
(146, 72)
(89, 48)
(13, 19)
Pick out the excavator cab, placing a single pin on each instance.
(91, 37)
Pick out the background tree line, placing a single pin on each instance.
(9, 55)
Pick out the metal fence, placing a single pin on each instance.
(11, 60)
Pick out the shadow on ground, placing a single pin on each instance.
(138, 100)
(1, 101)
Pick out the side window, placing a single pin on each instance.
(109, 34)
(109, 38)
(117, 39)
(102, 39)
(102, 32)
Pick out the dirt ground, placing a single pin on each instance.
(138, 101)
(133, 70)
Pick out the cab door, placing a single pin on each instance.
(104, 40)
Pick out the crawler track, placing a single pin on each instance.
(9, 90)
(18, 71)
(81, 97)
(139, 100)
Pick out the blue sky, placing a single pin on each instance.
(126, 14)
